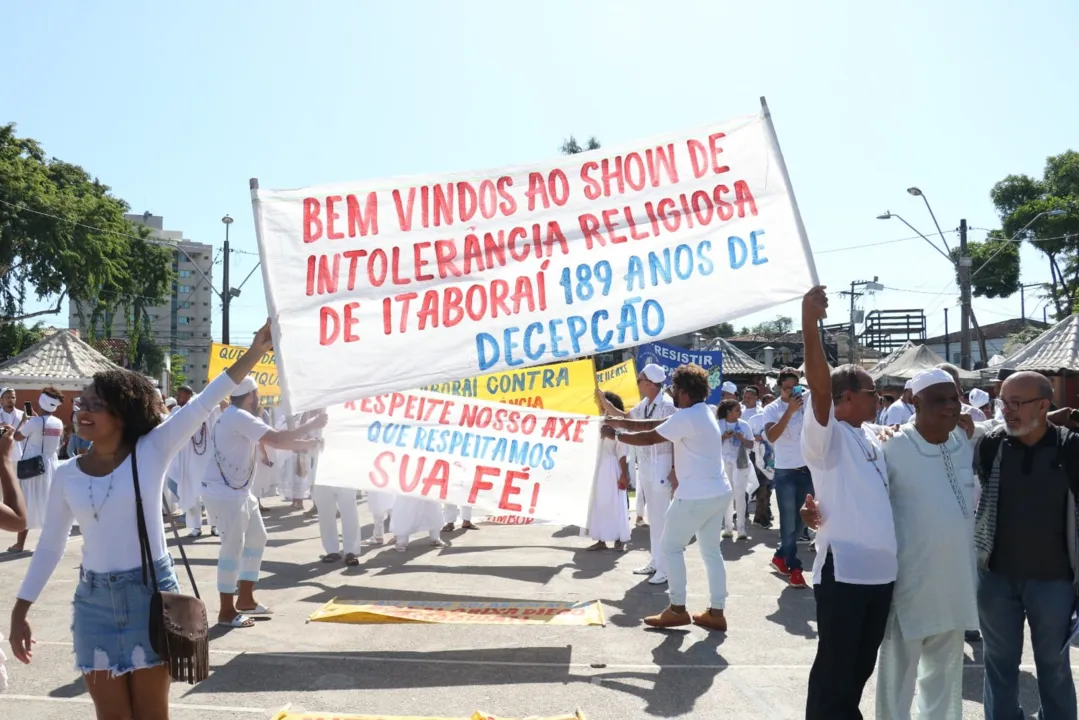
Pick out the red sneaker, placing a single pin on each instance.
(780, 565)
(797, 579)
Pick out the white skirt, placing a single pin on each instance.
(380, 504)
(608, 517)
(36, 492)
(415, 515)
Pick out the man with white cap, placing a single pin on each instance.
(226, 490)
(10, 414)
(964, 409)
(902, 409)
(931, 489)
(655, 462)
(980, 401)
(729, 390)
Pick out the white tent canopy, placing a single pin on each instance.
(909, 360)
(61, 360)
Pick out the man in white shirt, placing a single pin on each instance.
(902, 409)
(855, 570)
(782, 421)
(702, 493)
(728, 391)
(751, 411)
(975, 414)
(189, 466)
(226, 490)
(10, 414)
(655, 463)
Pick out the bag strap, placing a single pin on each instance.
(140, 517)
(144, 540)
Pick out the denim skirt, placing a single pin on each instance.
(111, 619)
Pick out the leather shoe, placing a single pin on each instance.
(711, 620)
(668, 619)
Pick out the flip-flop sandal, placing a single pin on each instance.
(351, 560)
(240, 621)
(258, 610)
(331, 558)
(15, 549)
(373, 542)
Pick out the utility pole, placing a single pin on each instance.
(964, 291)
(947, 340)
(226, 296)
(870, 286)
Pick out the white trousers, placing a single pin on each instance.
(243, 540)
(450, 513)
(703, 518)
(658, 488)
(739, 479)
(934, 664)
(193, 517)
(330, 501)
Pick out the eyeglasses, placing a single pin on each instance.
(93, 405)
(1014, 405)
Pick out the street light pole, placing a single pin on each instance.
(964, 292)
(226, 296)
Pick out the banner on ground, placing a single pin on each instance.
(513, 612)
(568, 387)
(499, 458)
(671, 356)
(265, 371)
(621, 379)
(383, 285)
(478, 715)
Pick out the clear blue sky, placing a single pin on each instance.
(177, 105)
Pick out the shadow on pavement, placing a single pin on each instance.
(793, 614)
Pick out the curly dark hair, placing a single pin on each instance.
(693, 379)
(131, 398)
(614, 399)
(725, 408)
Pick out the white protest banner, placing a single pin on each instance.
(504, 459)
(384, 285)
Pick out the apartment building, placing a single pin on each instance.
(182, 325)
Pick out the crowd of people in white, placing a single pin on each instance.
(934, 518)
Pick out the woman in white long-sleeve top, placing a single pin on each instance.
(123, 674)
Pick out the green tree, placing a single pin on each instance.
(16, 337)
(1020, 199)
(149, 357)
(179, 377)
(64, 236)
(723, 330)
(1018, 339)
(780, 326)
(570, 146)
(994, 266)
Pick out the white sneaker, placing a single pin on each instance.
(727, 534)
(657, 579)
(194, 532)
(399, 548)
(646, 570)
(740, 535)
(439, 543)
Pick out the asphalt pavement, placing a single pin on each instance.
(757, 670)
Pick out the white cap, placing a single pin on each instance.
(928, 378)
(978, 398)
(247, 385)
(909, 385)
(654, 373)
(170, 402)
(729, 387)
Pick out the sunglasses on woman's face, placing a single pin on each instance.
(93, 404)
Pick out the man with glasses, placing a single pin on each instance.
(1026, 535)
(655, 470)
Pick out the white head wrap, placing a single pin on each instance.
(48, 404)
(6, 390)
(247, 385)
(654, 373)
(729, 387)
(909, 385)
(978, 398)
(927, 378)
(170, 402)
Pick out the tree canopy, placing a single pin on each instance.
(16, 337)
(1019, 200)
(63, 235)
(570, 146)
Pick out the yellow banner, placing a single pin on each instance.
(568, 387)
(284, 715)
(621, 379)
(265, 372)
(463, 613)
